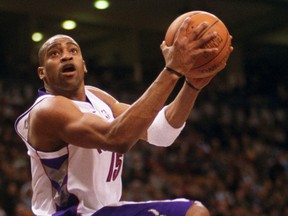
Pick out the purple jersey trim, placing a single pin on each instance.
(56, 170)
(71, 211)
(55, 163)
(42, 91)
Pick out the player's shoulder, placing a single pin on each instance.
(52, 106)
(101, 94)
(97, 91)
(54, 102)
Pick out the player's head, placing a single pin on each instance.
(62, 67)
(43, 49)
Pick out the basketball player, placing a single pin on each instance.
(76, 135)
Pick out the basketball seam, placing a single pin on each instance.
(208, 28)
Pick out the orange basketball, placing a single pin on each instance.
(211, 64)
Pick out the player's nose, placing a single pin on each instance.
(66, 57)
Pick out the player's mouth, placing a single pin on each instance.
(68, 70)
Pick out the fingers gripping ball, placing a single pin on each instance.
(210, 64)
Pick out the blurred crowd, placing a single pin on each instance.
(232, 155)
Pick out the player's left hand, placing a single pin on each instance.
(200, 83)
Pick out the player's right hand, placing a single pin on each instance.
(186, 48)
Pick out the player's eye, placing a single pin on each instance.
(54, 53)
(74, 51)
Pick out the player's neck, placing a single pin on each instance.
(76, 94)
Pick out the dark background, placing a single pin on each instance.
(130, 31)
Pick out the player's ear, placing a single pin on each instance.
(85, 68)
(41, 72)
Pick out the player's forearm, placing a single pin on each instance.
(178, 111)
(130, 125)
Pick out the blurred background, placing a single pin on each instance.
(233, 153)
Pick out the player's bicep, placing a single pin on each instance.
(62, 122)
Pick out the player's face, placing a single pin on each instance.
(63, 66)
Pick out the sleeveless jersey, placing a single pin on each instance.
(73, 180)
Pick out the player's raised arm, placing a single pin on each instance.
(125, 130)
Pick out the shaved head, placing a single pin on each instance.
(43, 48)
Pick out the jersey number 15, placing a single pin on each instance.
(115, 166)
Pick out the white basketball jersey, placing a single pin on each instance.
(73, 180)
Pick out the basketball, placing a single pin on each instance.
(210, 64)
